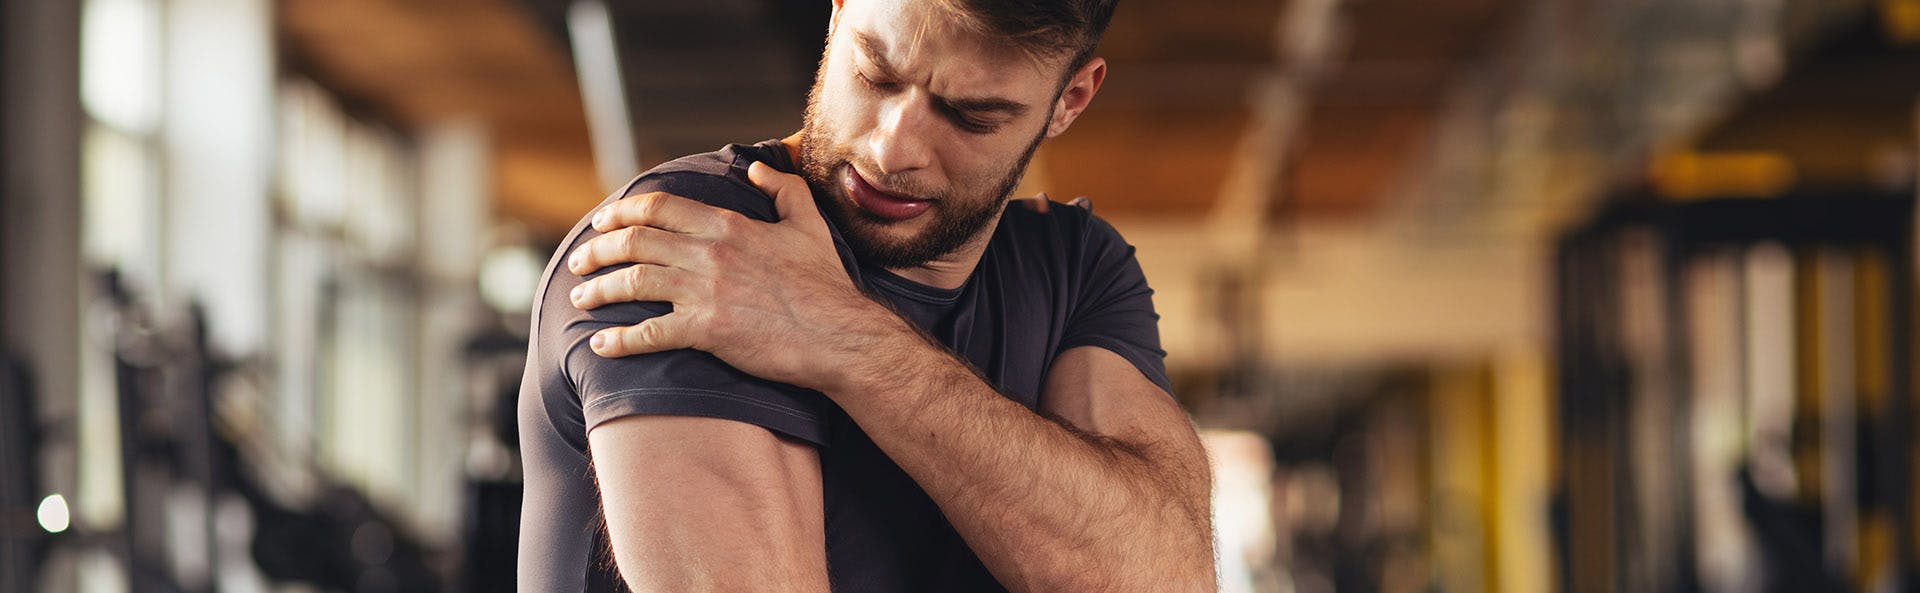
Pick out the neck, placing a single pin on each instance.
(947, 271)
(950, 271)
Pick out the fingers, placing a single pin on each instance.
(1037, 203)
(631, 245)
(659, 334)
(660, 210)
(636, 283)
(1041, 203)
(791, 196)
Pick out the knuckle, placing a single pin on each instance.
(708, 253)
(630, 240)
(730, 222)
(647, 206)
(633, 280)
(720, 254)
(659, 334)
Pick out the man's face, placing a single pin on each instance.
(917, 131)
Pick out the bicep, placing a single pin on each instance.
(1095, 391)
(707, 504)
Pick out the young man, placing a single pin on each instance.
(900, 385)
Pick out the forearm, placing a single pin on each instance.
(1046, 507)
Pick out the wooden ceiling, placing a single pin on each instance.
(1159, 141)
(1844, 116)
(418, 62)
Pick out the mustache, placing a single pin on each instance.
(891, 183)
(897, 184)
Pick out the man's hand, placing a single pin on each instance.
(771, 299)
(1041, 203)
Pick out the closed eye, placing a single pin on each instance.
(967, 122)
(878, 85)
(960, 117)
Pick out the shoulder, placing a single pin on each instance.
(717, 178)
(1071, 233)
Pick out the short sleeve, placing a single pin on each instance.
(679, 382)
(1114, 306)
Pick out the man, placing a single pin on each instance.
(900, 385)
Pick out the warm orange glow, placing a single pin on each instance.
(1689, 175)
(1901, 20)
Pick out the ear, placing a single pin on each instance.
(1077, 95)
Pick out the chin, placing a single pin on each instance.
(892, 244)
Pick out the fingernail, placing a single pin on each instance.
(598, 341)
(573, 261)
(577, 291)
(599, 216)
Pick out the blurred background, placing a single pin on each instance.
(1466, 295)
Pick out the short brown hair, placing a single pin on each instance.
(1044, 29)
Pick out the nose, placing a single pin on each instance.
(899, 143)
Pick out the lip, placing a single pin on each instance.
(881, 203)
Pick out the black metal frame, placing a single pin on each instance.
(1595, 374)
(21, 547)
(22, 544)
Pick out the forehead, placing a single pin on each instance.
(925, 41)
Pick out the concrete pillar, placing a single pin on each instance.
(40, 270)
(218, 129)
(455, 202)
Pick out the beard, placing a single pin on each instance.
(956, 216)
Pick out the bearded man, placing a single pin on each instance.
(883, 378)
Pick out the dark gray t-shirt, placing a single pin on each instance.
(1047, 282)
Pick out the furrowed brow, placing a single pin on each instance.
(876, 51)
(988, 105)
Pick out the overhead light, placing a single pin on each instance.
(1901, 20)
(1689, 175)
(53, 514)
(509, 277)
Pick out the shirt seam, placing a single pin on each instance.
(898, 287)
(693, 391)
(1131, 352)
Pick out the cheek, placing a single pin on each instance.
(981, 163)
(835, 110)
(839, 103)
(973, 176)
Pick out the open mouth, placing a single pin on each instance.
(890, 206)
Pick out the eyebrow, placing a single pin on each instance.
(876, 52)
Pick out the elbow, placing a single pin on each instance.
(1193, 568)
(1201, 578)
(1194, 571)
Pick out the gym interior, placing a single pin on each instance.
(1503, 296)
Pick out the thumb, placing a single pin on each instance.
(791, 196)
